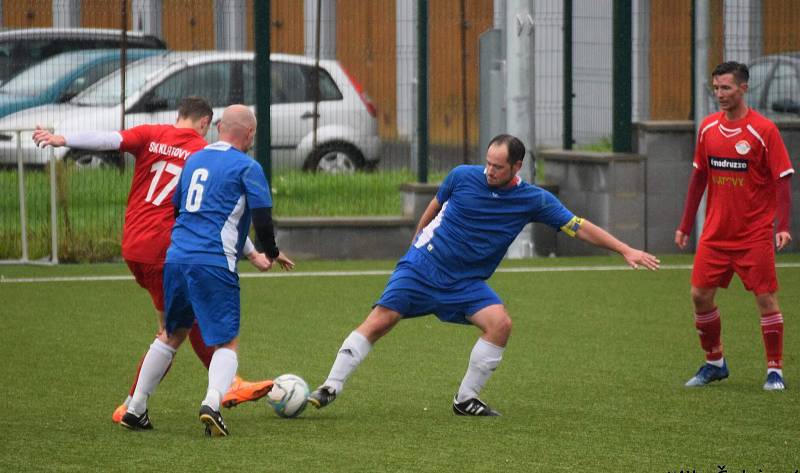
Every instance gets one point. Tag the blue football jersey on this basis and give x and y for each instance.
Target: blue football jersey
(477, 223)
(218, 187)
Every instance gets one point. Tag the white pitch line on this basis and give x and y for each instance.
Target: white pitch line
(301, 274)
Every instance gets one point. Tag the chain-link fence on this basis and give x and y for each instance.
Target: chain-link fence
(343, 130)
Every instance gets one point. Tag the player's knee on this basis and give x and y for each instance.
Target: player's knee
(500, 328)
(767, 303)
(379, 322)
(702, 299)
(175, 338)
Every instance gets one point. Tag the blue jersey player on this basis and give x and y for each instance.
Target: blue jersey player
(461, 238)
(220, 189)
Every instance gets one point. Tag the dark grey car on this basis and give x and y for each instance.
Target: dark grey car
(21, 48)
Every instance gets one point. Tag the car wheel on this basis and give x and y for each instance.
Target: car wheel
(335, 159)
(92, 159)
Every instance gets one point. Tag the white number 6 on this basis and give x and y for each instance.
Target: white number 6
(195, 196)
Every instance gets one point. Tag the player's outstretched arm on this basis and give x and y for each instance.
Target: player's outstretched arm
(93, 140)
(42, 138)
(595, 235)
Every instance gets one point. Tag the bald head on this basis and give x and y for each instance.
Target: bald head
(238, 126)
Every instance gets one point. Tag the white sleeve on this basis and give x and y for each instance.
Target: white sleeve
(248, 247)
(94, 140)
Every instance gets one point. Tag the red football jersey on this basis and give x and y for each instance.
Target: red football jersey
(161, 152)
(744, 160)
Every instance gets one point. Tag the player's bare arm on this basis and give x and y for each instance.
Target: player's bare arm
(591, 233)
(431, 211)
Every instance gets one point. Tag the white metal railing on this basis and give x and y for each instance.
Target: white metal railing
(23, 211)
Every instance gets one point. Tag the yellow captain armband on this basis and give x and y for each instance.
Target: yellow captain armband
(572, 227)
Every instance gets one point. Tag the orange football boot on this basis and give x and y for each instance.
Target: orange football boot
(118, 413)
(243, 391)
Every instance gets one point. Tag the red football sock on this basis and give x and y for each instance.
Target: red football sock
(772, 332)
(709, 327)
(203, 351)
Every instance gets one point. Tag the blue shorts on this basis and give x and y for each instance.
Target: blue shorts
(208, 293)
(416, 288)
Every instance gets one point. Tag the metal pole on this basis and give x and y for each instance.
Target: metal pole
(53, 209)
(701, 41)
(622, 96)
(261, 30)
(422, 91)
(122, 61)
(464, 112)
(315, 76)
(568, 93)
(23, 217)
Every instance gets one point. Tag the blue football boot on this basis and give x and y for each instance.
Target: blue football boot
(774, 382)
(708, 373)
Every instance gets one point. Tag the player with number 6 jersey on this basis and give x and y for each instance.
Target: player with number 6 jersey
(160, 151)
(219, 190)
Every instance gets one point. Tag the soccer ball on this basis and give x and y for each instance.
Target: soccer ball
(288, 396)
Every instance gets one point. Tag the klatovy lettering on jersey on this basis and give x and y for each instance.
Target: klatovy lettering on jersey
(167, 150)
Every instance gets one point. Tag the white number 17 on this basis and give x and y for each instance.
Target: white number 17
(159, 169)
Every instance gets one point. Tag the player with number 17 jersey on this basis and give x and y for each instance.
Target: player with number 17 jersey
(161, 152)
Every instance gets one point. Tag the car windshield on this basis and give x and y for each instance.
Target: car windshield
(105, 93)
(37, 79)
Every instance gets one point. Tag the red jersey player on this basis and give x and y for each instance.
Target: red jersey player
(742, 161)
(161, 152)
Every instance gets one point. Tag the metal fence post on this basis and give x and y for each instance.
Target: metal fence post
(53, 209)
(261, 30)
(422, 91)
(622, 77)
(23, 218)
(568, 94)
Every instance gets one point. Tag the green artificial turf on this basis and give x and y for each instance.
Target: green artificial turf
(592, 379)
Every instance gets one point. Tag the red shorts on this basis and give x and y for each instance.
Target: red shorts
(755, 267)
(150, 277)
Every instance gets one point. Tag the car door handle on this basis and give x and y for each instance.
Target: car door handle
(308, 115)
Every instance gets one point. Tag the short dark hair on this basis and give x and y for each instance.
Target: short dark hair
(741, 74)
(516, 150)
(195, 108)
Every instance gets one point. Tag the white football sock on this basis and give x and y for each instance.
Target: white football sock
(483, 361)
(353, 351)
(717, 363)
(221, 371)
(775, 370)
(155, 365)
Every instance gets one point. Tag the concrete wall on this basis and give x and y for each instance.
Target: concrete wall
(606, 188)
(669, 147)
(356, 238)
(638, 197)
